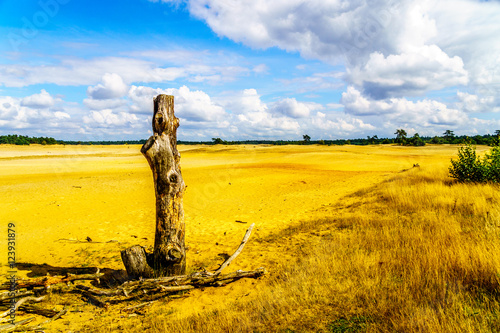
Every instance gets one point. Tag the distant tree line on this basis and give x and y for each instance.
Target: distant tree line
(15, 139)
(26, 140)
(401, 138)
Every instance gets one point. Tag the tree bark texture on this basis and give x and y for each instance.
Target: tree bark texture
(169, 256)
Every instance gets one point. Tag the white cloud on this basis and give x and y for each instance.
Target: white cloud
(112, 86)
(241, 102)
(408, 74)
(38, 101)
(391, 48)
(107, 118)
(318, 81)
(101, 104)
(190, 105)
(261, 69)
(473, 103)
(77, 71)
(195, 105)
(424, 113)
(291, 108)
(33, 113)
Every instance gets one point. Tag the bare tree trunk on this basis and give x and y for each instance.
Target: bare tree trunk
(169, 256)
(164, 159)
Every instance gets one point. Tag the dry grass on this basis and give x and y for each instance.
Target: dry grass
(416, 254)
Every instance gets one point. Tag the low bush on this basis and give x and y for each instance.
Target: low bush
(469, 167)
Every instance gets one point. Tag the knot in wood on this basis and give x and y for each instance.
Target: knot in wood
(175, 254)
(173, 178)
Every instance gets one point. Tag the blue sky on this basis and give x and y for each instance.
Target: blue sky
(241, 69)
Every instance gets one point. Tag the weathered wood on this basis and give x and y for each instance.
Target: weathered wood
(9, 295)
(94, 300)
(135, 260)
(169, 255)
(138, 306)
(47, 281)
(33, 308)
(100, 292)
(12, 327)
(21, 301)
(164, 159)
(40, 326)
(238, 251)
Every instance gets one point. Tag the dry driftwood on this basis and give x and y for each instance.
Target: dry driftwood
(138, 306)
(47, 281)
(32, 308)
(21, 301)
(8, 295)
(13, 326)
(238, 251)
(94, 300)
(40, 326)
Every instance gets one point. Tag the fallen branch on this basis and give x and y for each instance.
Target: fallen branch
(21, 301)
(47, 281)
(40, 326)
(100, 292)
(11, 327)
(8, 295)
(238, 251)
(32, 308)
(94, 300)
(85, 241)
(135, 307)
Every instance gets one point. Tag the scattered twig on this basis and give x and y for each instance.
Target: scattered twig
(11, 327)
(8, 295)
(21, 301)
(238, 221)
(69, 240)
(135, 307)
(238, 251)
(94, 300)
(32, 308)
(100, 292)
(50, 280)
(40, 326)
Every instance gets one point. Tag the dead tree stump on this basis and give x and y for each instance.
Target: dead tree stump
(169, 256)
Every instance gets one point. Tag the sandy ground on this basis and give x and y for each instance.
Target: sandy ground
(56, 195)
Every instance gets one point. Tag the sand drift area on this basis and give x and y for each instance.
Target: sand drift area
(57, 196)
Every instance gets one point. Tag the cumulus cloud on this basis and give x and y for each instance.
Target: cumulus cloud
(390, 48)
(191, 105)
(241, 102)
(112, 86)
(38, 101)
(408, 74)
(32, 112)
(107, 118)
(473, 103)
(423, 113)
(291, 108)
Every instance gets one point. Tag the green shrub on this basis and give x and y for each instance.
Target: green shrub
(470, 168)
(492, 165)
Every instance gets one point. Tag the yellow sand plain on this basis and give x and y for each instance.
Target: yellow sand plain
(56, 195)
